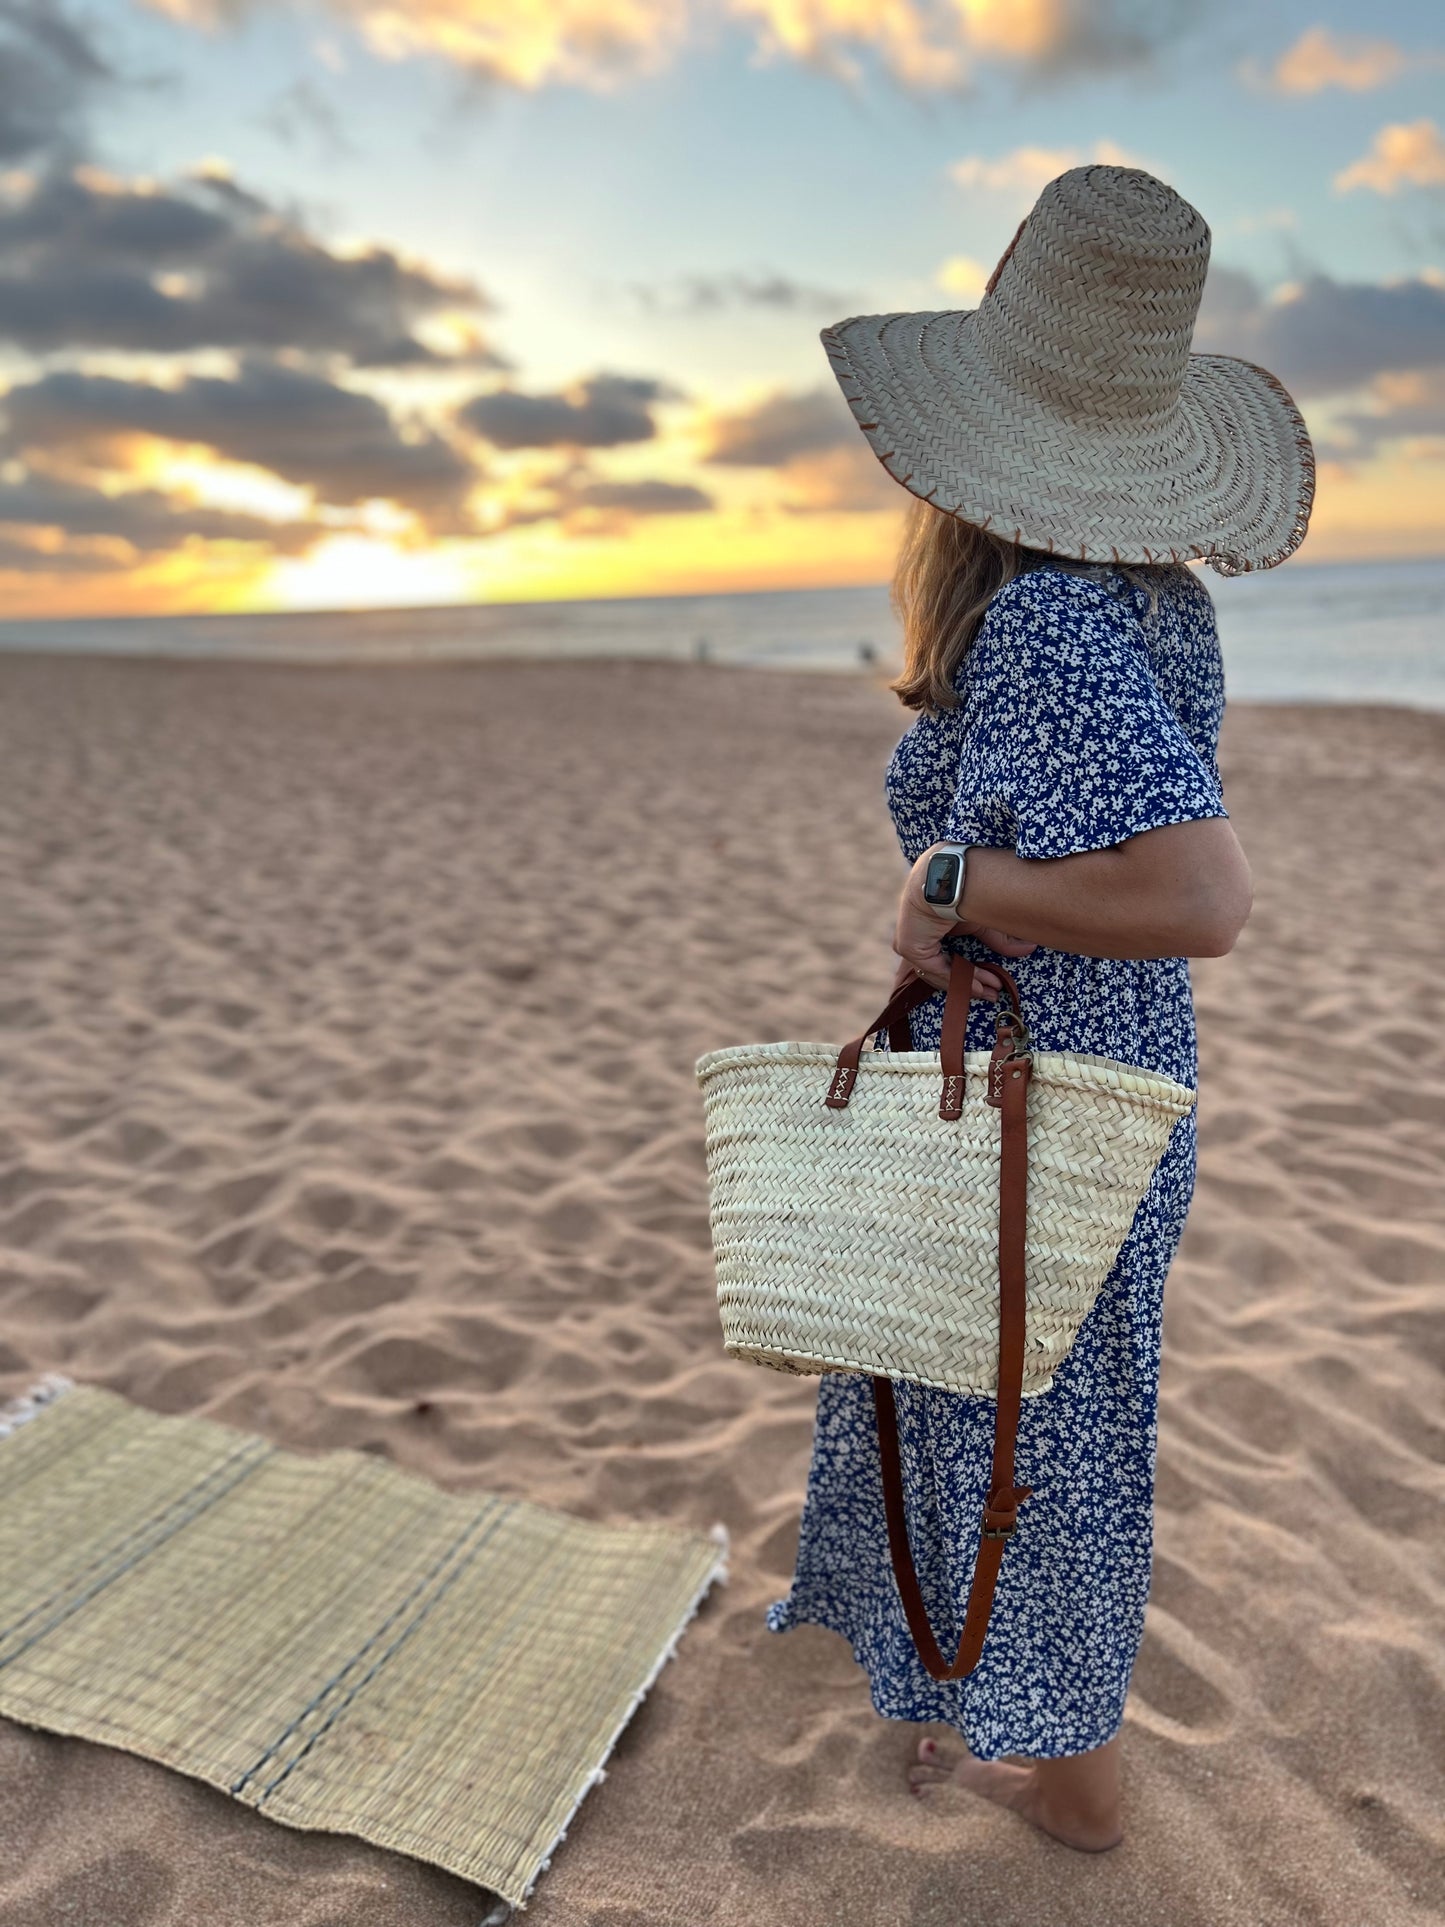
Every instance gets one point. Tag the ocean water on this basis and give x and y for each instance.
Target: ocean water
(1328, 632)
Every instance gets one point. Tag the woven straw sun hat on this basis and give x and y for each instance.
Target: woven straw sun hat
(1066, 413)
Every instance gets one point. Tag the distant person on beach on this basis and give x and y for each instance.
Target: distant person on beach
(1070, 457)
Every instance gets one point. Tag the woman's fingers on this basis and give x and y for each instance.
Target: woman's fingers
(1000, 940)
(985, 986)
(923, 955)
(917, 942)
(936, 970)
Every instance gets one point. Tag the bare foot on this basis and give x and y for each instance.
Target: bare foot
(1081, 1816)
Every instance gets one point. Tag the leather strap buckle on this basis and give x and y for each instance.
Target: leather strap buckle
(1001, 1512)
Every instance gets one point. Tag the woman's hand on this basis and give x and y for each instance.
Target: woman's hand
(919, 933)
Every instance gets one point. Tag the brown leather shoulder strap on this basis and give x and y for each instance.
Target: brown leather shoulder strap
(1008, 1090)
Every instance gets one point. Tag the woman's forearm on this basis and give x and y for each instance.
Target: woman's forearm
(1180, 891)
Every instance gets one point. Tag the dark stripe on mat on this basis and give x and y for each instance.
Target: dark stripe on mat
(391, 1650)
(144, 1553)
(382, 1630)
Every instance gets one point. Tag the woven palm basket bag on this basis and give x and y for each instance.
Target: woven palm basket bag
(942, 1216)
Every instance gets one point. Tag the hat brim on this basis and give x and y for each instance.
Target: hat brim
(1226, 475)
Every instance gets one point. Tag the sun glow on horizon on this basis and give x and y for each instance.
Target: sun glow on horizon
(352, 571)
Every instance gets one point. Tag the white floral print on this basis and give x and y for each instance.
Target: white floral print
(1085, 717)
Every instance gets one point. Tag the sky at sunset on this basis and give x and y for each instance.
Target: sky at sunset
(359, 302)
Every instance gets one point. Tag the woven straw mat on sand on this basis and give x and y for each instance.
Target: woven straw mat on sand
(334, 1642)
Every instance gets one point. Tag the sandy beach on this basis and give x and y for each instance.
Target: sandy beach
(349, 1020)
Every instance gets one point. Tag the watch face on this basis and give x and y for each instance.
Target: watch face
(940, 879)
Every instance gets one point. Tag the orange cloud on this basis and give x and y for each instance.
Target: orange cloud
(1027, 169)
(1019, 29)
(529, 42)
(526, 43)
(1405, 154)
(934, 44)
(844, 480)
(1319, 59)
(963, 277)
(917, 48)
(926, 45)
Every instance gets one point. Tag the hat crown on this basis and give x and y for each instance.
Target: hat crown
(1092, 310)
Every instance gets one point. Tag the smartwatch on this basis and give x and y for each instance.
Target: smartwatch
(944, 877)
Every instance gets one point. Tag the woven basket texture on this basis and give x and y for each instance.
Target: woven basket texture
(1067, 412)
(330, 1640)
(866, 1239)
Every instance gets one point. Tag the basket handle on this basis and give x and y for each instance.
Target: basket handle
(894, 1019)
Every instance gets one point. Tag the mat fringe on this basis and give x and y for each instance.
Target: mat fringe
(717, 1575)
(45, 1391)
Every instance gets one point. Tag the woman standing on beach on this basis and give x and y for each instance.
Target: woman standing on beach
(1070, 455)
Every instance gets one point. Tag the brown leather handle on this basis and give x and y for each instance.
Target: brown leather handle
(894, 1018)
(1008, 1083)
(955, 1028)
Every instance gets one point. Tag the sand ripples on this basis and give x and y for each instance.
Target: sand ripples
(347, 1032)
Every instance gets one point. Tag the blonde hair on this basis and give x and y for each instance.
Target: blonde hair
(947, 573)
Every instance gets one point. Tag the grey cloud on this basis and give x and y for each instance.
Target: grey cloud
(812, 441)
(144, 518)
(602, 412)
(780, 428)
(587, 504)
(1228, 294)
(713, 293)
(17, 557)
(80, 268)
(65, 216)
(640, 498)
(229, 192)
(302, 111)
(1416, 412)
(300, 426)
(845, 480)
(929, 46)
(1102, 36)
(48, 71)
(1332, 336)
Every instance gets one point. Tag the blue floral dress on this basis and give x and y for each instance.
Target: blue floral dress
(1085, 716)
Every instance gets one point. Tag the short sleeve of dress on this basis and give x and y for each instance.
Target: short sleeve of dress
(1068, 742)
